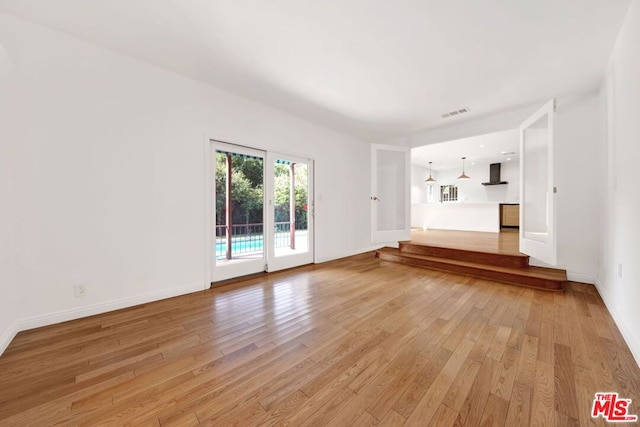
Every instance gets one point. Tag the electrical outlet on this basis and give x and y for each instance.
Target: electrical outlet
(79, 290)
(619, 269)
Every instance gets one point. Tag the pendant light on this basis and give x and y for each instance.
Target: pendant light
(463, 176)
(430, 180)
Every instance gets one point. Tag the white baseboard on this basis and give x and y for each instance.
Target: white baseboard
(350, 253)
(7, 336)
(582, 278)
(626, 330)
(90, 310)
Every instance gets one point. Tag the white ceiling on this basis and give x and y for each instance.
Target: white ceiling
(480, 150)
(374, 69)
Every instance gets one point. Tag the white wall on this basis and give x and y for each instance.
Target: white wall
(419, 188)
(109, 176)
(620, 98)
(8, 215)
(472, 190)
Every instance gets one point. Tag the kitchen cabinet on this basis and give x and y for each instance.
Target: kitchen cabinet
(510, 215)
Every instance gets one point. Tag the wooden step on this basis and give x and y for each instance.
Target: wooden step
(535, 277)
(478, 257)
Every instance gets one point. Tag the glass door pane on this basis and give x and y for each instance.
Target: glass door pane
(536, 197)
(390, 186)
(239, 211)
(291, 211)
(537, 227)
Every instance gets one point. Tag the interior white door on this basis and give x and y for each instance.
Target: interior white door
(238, 176)
(290, 211)
(390, 193)
(537, 190)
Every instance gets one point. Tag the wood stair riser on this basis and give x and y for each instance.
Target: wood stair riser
(515, 261)
(482, 273)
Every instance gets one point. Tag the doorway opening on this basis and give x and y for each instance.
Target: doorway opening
(246, 237)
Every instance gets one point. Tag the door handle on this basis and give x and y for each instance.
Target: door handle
(375, 198)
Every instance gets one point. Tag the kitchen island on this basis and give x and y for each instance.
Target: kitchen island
(465, 216)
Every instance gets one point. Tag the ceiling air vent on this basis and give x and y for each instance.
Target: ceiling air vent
(455, 112)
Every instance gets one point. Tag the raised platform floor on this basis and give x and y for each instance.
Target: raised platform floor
(491, 256)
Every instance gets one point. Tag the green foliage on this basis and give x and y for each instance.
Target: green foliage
(252, 169)
(283, 190)
(248, 191)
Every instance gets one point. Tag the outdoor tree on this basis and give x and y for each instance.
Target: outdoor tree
(283, 190)
(248, 191)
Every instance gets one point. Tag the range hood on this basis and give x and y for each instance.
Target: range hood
(494, 175)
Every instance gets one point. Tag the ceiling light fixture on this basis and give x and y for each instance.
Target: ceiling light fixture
(463, 176)
(430, 180)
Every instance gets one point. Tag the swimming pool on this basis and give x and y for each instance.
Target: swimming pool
(252, 245)
(239, 245)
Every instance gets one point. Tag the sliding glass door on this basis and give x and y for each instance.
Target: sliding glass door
(291, 211)
(247, 238)
(238, 207)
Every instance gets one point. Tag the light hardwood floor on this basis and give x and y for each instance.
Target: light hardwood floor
(351, 342)
(506, 242)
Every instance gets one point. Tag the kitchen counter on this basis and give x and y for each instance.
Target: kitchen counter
(468, 216)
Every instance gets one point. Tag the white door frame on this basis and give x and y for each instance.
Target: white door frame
(288, 261)
(543, 250)
(245, 267)
(208, 168)
(378, 201)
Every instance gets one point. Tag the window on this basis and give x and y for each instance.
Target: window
(448, 193)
